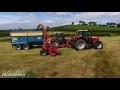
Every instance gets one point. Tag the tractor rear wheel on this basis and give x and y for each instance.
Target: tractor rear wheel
(18, 47)
(98, 45)
(80, 44)
(43, 53)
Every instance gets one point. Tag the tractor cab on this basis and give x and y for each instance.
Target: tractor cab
(58, 37)
(84, 33)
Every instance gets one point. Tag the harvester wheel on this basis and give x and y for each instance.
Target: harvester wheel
(26, 46)
(98, 45)
(18, 47)
(43, 53)
(80, 44)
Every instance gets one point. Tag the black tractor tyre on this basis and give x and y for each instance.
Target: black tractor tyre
(80, 44)
(43, 53)
(54, 42)
(26, 46)
(98, 45)
(18, 47)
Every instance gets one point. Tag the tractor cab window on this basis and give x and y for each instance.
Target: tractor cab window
(59, 35)
(54, 35)
(79, 33)
(82, 33)
(85, 33)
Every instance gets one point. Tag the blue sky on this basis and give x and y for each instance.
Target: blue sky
(30, 20)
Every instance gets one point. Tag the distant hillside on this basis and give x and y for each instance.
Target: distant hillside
(77, 27)
(96, 30)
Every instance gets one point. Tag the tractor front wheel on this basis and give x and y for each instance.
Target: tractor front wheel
(80, 44)
(98, 45)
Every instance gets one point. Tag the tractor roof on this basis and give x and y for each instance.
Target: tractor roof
(82, 30)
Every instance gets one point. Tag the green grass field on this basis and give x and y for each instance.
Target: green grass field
(89, 63)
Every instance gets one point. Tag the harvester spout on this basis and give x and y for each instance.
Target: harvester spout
(44, 32)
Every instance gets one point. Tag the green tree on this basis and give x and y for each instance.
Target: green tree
(92, 23)
(47, 26)
(118, 25)
(81, 22)
(111, 23)
(72, 23)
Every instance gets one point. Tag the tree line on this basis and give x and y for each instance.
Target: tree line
(108, 24)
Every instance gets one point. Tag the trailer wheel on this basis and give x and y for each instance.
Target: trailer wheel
(80, 44)
(98, 45)
(18, 47)
(26, 46)
(43, 53)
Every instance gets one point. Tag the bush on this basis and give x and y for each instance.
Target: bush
(4, 33)
(101, 34)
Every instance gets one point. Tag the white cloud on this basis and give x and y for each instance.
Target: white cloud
(48, 21)
(50, 13)
(30, 20)
(97, 16)
(31, 17)
(90, 15)
(100, 17)
(21, 20)
(61, 13)
(5, 19)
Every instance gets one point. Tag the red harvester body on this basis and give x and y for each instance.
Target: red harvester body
(47, 48)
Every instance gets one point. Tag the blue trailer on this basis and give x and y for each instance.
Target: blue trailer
(25, 39)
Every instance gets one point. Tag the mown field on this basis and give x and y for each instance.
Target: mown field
(89, 63)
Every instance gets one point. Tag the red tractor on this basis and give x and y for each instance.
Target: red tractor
(60, 40)
(82, 40)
